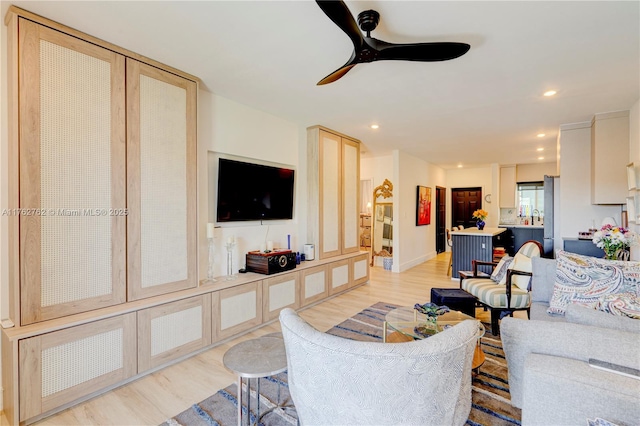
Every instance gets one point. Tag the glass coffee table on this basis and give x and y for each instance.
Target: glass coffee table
(406, 324)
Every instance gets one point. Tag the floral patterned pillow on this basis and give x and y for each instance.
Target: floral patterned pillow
(621, 304)
(584, 280)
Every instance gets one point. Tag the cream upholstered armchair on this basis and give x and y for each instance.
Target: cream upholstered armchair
(508, 289)
(337, 381)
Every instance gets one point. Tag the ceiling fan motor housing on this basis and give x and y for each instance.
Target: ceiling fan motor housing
(368, 20)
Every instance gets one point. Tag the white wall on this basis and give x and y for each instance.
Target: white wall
(228, 127)
(414, 244)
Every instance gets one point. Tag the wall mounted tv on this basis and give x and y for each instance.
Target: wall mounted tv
(249, 191)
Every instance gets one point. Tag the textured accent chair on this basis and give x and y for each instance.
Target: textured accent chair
(513, 295)
(337, 381)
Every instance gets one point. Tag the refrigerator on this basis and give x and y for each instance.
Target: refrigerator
(547, 244)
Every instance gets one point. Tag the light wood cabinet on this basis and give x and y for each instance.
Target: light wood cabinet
(609, 135)
(161, 174)
(173, 330)
(66, 365)
(508, 187)
(339, 275)
(313, 285)
(71, 175)
(103, 177)
(236, 309)
(359, 269)
(279, 292)
(333, 192)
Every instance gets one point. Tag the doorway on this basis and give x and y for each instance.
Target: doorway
(441, 219)
(464, 202)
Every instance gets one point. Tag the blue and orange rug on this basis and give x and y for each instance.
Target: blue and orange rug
(490, 398)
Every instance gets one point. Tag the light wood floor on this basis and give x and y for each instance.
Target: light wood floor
(165, 393)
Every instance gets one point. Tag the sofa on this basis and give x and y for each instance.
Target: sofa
(550, 378)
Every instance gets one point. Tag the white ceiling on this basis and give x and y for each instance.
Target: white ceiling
(485, 107)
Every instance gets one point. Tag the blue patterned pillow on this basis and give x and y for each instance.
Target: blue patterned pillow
(583, 279)
(499, 274)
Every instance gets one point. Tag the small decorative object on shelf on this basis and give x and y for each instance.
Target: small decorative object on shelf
(431, 310)
(615, 241)
(480, 216)
(231, 243)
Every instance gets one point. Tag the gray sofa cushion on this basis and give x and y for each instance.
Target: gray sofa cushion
(562, 391)
(588, 316)
(521, 338)
(544, 277)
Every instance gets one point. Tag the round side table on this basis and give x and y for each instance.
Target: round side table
(254, 359)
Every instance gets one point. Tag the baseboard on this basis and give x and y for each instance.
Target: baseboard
(417, 261)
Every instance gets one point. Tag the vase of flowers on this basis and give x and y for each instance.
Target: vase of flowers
(480, 216)
(615, 241)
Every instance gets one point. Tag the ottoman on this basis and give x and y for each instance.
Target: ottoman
(456, 299)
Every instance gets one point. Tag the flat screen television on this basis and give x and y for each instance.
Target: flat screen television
(249, 191)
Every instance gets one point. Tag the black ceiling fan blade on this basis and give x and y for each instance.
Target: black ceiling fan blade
(336, 75)
(423, 52)
(339, 13)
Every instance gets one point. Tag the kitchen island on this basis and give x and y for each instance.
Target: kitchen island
(474, 244)
(517, 235)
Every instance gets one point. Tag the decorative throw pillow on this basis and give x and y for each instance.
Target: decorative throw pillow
(521, 263)
(583, 279)
(620, 304)
(499, 274)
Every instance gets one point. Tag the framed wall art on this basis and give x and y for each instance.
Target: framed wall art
(423, 206)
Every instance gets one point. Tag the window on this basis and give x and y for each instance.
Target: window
(531, 199)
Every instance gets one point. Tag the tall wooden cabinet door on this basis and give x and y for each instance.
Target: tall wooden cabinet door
(72, 175)
(60, 367)
(330, 174)
(350, 196)
(161, 178)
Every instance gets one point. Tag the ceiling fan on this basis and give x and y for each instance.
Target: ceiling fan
(369, 49)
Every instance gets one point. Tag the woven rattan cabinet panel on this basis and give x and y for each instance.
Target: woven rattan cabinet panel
(72, 175)
(161, 177)
(63, 366)
(172, 330)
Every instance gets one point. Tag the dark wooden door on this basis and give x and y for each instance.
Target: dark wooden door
(464, 202)
(441, 219)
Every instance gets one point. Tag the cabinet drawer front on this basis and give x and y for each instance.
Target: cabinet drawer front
(360, 269)
(60, 367)
(170, 331)
(314, 285)
(237, 309)
(339, 276)
(278, 293)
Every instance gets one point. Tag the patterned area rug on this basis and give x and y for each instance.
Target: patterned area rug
(490, 399)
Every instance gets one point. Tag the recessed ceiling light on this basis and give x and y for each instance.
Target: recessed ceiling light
(549, 93)
(540, 158)
(540, 149)
(375, 126)
(459, 166)
(541, 135)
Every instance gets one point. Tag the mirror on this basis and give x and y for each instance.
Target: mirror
(382, 221)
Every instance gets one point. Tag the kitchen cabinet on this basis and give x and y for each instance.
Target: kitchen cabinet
(333, 192)
(584, 247)
(516, 236)
(508, 187)
(609, 133)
